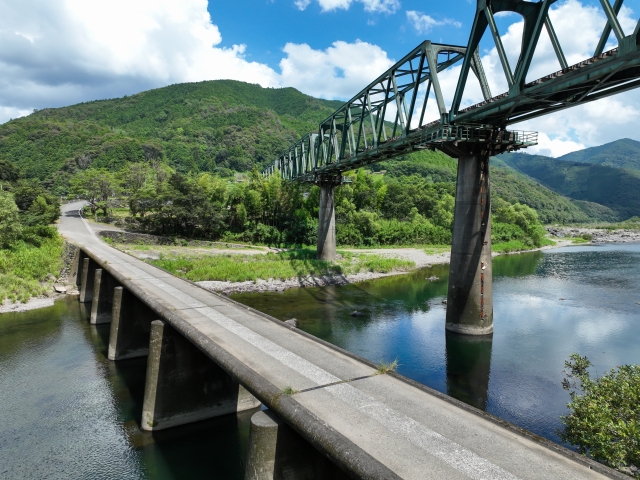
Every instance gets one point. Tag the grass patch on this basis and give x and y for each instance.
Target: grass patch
(278, 266)
(290, 391)
(386, 367)
(518, 246)
(24, 267)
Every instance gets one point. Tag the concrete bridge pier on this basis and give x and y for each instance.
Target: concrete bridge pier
(276, 452)
(327, 223)
(130, 326)
(102, 299)
(87, 276)
(470, 298)
(183, 385)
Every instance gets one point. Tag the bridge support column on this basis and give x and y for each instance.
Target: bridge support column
(130, 326)
(183, 385)
(470, 299)
(327, 224)
(276, 452)
(86, 280)
(102, 300)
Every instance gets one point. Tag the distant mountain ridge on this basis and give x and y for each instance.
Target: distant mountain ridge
(590, 175)
(623, 153)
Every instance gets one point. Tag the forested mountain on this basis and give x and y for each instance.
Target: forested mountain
(223, 127)
(623, 153)
(506, 183)
(615, 188)
(214, 126)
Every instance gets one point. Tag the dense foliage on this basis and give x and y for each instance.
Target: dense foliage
(615, 188)
(216, 126)
(30, 248)
(605, 414)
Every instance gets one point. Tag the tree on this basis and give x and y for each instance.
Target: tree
(10, 227)
(605, 418)
(98, 187)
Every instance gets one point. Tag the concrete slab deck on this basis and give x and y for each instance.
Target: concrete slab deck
(388, 422)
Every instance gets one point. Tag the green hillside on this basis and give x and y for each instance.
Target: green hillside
(222, 127)
(615, 188)
(623, 153)
(213, 126)
(506, 183)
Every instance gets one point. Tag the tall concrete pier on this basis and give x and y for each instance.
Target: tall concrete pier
(470, 299)
(327, 223)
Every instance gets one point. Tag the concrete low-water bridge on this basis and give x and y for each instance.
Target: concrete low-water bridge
(387, 119)
(326, 413)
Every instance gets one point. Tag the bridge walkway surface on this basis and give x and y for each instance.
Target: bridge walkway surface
(372, 426)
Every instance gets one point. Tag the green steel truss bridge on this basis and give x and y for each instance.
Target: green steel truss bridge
(361, 132)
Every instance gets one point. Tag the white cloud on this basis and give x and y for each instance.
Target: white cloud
(302, 4)
(67, 51)
(382, 6)
(340, 71)
(425, 23)
(554, 147)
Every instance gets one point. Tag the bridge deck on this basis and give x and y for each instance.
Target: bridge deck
(373, 425)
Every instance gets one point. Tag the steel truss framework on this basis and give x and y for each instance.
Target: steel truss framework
(357, 134)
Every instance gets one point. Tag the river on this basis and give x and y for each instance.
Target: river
(67, 412)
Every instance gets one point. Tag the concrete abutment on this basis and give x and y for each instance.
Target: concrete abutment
(470, 298)
(183, 385)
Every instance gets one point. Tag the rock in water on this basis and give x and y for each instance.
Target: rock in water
(292, 321)
(60, 288)
(356, 313)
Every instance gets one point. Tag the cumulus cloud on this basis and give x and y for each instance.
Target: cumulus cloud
(382, 6)
(425, 23)
(340, 71)
(62, 52)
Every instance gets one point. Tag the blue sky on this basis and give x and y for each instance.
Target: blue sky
(60, 52)
(266, 26)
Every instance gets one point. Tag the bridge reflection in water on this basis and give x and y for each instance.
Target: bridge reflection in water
(469, 367)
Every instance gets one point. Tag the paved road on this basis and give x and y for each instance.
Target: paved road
(374, 425)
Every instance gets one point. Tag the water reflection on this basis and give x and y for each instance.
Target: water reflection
(468, 367)
(547, 305)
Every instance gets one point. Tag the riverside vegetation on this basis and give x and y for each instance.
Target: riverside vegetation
(30, 248)
(605, 414)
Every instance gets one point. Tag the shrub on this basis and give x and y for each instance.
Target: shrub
(605, 418)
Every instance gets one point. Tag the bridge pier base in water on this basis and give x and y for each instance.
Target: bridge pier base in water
(276, 452)
(102, 299)
(130, 326)
(87, 275)
(183, 385)
(327, 223)
(470, 298)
